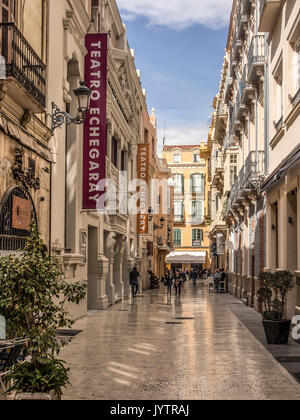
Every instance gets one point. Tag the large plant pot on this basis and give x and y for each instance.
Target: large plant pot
(25, 396)
(277, 332)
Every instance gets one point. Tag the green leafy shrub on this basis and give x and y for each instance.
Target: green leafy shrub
(33, 299)
(273, 293)
(43, 377)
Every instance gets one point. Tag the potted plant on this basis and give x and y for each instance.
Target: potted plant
(273, 293)
(33, 298)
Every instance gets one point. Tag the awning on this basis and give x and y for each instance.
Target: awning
(285, 165)
(187, 257)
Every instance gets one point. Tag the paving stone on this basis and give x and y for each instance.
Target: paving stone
(134, 355)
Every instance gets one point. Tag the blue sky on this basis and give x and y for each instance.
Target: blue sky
(180, 60)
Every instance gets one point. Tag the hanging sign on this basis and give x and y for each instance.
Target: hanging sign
(94, 143)
(143, 161)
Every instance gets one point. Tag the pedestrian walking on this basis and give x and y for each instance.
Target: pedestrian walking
(169, 283)
(134, 282)
(194, 277)
(217, 279)
(224, 278)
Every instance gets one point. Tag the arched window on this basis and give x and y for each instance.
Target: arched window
(16, 214)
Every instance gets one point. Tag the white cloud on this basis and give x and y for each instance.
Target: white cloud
(179, 14)
(181, 136)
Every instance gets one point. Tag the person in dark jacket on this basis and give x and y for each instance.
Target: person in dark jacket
(134, 282)
(194, 276)
(169, 282)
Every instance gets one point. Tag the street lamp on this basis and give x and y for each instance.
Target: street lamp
(58, 117)
(162, 222)
(150, 212)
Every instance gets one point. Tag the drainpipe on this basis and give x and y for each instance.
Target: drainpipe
(266, 102)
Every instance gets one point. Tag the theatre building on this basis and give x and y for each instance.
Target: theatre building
(99, 248)
(25, 168)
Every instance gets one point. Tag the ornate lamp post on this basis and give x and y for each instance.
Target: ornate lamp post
(59, 118)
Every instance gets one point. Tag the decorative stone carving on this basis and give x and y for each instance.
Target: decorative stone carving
(26, 176)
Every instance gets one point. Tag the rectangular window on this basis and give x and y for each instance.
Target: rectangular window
(177, 158)
(233, 174)
(146, 136)
(178, 211)
(178, 180)
(197, 237)
(197, 158)
(197, 181)
(177, 237)
(114, 152)
(123, 160)
(197, 212)
(233, 159)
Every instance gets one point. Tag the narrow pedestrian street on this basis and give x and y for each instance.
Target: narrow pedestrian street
(149, 351)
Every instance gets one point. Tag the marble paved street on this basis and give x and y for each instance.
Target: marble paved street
(135, 352)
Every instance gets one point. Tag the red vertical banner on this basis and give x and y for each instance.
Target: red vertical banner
(143, 162)
(94, 142)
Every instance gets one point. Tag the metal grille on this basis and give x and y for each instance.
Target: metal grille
(22, 62)
(12, 239)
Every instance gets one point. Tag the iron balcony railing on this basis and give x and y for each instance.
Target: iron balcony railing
(22, 62)
(256, 50)
(254, 166)
(233, 195)
(222, 108)
(178, 219)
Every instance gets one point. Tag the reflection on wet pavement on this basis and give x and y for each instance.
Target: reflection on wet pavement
(143, 351)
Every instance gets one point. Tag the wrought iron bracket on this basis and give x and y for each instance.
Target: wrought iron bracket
(59, 118)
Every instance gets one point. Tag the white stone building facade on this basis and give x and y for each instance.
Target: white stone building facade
(100, 249)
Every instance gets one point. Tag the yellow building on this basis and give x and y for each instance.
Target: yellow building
(191, 205)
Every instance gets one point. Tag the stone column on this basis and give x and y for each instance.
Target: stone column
(103, 270)
(110, 252)
(118, 269)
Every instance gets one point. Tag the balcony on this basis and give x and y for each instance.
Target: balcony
(235, 124)
(237, 47)
(256, 58)
(218, 174)
(254, 167)
(247, 181)
(241, 109)
(233, 63)
(269, 10)
(196, 220)
(228, 89)
(25, 80)
(179, 219)
(242, 23)
(247, 89)
(221, 121)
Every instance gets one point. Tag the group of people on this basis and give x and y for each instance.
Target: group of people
(175, 278)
